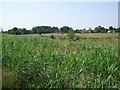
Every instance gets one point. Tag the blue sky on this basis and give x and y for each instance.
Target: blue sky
(74, 14)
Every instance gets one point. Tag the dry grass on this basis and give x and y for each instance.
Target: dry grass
(95, 35)
(8, 78)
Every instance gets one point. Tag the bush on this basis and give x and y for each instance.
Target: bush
(70, 34)
(52, 36)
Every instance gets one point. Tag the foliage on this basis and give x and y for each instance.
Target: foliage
(100, 29)
(70, 34)
(52, 36)
(41, 62)
(18, 31)
(44, 29)
(9, 78)
(111, 28)
(65, 29)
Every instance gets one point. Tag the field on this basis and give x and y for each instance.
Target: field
(39, 61)
(96, 35)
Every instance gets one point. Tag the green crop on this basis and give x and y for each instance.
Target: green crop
(43, 62)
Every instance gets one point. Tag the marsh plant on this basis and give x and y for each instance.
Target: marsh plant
(70, 34)
(42, 62)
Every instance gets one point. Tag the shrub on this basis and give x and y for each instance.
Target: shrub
(70, 34)
(52, 36)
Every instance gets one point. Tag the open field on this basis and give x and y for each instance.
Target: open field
(94, 35)
(87, 35)
(38, 61)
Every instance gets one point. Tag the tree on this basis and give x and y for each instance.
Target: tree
(35, 29)
(103, 30)
(100, 29)
(55, 29)
(111, 28)
(44, 29)
(24, 31)
(15, 30)
(79, 31)
(90, 30)
(84, 29)
(64, 29)
(117, 30)
(106, 30)
(18, 31)
(97, 29)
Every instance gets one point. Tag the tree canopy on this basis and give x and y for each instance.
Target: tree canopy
(64, 29)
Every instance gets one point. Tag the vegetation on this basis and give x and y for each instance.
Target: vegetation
(65, 29)
(52, 36)
(70, 34)
(35, 61)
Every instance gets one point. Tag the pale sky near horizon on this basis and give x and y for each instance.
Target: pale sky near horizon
(78, 15)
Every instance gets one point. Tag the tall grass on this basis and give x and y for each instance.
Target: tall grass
(42, 62)
(0, 60)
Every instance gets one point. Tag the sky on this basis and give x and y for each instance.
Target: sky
(119, 14)
(77, 15)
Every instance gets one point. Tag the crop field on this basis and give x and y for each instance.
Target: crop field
(39, 61)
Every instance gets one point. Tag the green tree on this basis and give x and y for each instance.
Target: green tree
(100, 29)
(35, 29)
(64, 29)
(97, 29)
(15, 30)
(111, 28)
(44, 29)
(117, 30)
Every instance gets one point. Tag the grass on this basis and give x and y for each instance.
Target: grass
(43, 62)
(9, 78)
(88, 35)
(0, 60)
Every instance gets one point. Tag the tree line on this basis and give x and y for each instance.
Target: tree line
(64, 29)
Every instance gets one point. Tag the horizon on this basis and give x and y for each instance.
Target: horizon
(77, 15)
(63, 26)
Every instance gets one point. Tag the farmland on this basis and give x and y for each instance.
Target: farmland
(39, 61)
